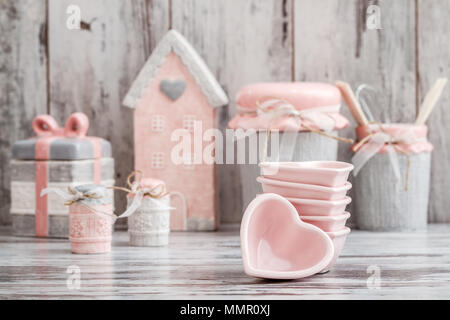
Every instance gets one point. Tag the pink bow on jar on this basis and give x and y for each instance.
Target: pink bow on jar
(76, 125)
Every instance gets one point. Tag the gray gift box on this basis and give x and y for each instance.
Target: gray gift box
(71, 162)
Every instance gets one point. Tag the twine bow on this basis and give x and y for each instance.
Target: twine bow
(272, 108)
(76, 125)
(78, 196)
(73, 195)
(371, 144)
(156, 192)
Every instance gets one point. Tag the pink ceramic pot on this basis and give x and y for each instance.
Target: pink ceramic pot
(276, 244)
(328, 223)
(324, 173)
(303, 95)
(312, 207)
(90, 232)
(392, 129)
(304, 191)
(338, 238)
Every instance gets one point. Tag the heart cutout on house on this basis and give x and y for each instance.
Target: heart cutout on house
(277, 244)
(173, 89)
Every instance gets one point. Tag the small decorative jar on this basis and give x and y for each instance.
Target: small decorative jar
(392, 168)
(302, 117)
(91, 220)
(149, 224)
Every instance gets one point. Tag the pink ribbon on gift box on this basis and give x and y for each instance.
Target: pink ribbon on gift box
(47, 130)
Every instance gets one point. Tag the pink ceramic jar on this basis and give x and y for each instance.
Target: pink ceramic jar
(316, 105)
(91, 222)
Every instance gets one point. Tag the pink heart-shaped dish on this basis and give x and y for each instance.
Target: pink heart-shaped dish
(276, 244)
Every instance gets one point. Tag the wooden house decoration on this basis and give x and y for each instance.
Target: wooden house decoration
(174, 90)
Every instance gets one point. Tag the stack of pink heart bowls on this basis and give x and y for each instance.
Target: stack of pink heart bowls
(318, 190)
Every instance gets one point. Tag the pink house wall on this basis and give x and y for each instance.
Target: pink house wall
(195, 182)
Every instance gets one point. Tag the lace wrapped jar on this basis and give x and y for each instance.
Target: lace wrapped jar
(91, 219)
(149, 225)
(392, 168)
(291, 111)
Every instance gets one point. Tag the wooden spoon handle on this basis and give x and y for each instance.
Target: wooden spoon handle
(352, 103)
(430, 100)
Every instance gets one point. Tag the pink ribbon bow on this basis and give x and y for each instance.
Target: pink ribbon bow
(47, 130)
(77, 125)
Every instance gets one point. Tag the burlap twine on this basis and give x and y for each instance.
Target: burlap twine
(395, 143)
(295, 114)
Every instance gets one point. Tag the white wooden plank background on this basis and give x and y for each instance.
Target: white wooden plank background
(341, 47)
(242, 41)
(23, 80)
(208, 265)
(434, 62)
(224, 33)
(91, 69)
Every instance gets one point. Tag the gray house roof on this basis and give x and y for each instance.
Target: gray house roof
(174, 41)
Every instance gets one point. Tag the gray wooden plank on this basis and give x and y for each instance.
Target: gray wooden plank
(332, 43)
(434, 62)
(411, 265)
(92, 68)
(341, 47)
(23, 80)
(391, 207)
(242, 42)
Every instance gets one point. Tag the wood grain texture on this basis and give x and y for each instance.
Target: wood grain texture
(92, 68)
(388, 206)
(241, 42)
(23, 81)
(332, 43)
(434, 62)
(209, 266)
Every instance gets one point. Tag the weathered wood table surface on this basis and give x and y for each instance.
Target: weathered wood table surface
(208, 266)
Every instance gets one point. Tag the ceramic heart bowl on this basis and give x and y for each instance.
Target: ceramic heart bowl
(327, 223)
(300, 190)
(324, 173)
(276, 244)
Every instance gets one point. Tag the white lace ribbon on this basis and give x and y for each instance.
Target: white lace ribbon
(151, 194)
(272, 109)
(73, 195)
(376, 142)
